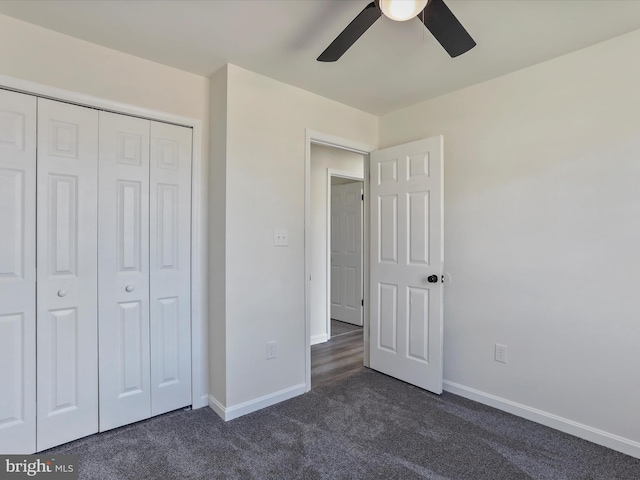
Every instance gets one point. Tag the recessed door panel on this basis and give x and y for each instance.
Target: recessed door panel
(12, 205)
(12, 373)
(125, 394)
(63, 140)
(129, 227)
(132, 362)
(170, 267)
(63, 366)
(167, 152)
(63, 216)
(388, 228)
(17, 273)
(132, 148)
(336, 286)
(351, 289)
(406, 249)
(336, 232)
(169, 341)
(15, 118)
(418, 226)
(418, 166)
(387, 171)
(388, 317)
(67, 280)
(167, 222)
(352, 232)
(418, 338)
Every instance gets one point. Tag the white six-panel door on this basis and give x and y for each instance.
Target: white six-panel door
(406, 249)
(123, 266)
(17, 273)
(346, 252)
(67, 223)
(170, 267)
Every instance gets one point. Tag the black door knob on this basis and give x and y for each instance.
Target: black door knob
(432, 279)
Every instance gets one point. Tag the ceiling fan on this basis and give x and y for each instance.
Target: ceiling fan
(435, 15)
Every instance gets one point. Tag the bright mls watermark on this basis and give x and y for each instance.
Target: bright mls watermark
(51, 467)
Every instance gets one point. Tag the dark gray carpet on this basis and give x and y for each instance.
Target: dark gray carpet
(340, 328)
(368, 426)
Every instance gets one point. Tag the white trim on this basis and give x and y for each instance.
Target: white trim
(216, 406)
(312, 136)
(59, 94)
(199, 355)
(332, 172)
(199, 274)
(342, 174)
(320, 138)
(366, 241)
(229, 413)
(606, 439)
(320, 338)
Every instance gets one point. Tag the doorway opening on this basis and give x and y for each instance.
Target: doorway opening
(335, 261)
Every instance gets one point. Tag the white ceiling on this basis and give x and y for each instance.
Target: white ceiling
(392, 65)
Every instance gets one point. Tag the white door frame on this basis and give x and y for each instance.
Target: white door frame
(320, 138)
(331, 172)
(199, 353)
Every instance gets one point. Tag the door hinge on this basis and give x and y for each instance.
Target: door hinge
(362, 302)
(363, 197)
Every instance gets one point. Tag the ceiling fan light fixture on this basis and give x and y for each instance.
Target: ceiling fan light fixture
(402, 10)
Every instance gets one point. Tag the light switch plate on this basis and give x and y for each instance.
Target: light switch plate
(280, 237)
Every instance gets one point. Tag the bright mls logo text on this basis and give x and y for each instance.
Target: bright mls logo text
(33, 468)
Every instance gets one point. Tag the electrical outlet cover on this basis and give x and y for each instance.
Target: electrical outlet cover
(500, 353)
(272, 350)
(280, 237)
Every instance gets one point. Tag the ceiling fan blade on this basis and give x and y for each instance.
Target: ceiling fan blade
(444, 25)
(349, 35)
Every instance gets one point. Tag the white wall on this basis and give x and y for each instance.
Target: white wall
(542, 228)
(38, 55)
(44, 56)
(322, 159)
(217, 235)
(265, 173)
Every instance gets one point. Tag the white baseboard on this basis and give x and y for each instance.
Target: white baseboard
(606, 439)
(216, 406)
(235, 411)
(315, 339)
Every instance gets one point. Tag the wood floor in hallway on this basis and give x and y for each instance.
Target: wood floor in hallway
(336, 359)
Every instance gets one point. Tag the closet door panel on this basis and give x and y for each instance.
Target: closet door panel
(67, 369)
(17, 273)
(170, 267)
(123, 267)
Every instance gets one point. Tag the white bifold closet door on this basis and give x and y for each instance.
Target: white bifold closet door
(67, 293)
(17, 273)
(170, 267)
(123, 266)
(98, 334)
(144, 268)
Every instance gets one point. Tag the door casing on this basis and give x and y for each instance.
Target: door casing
(319, 138)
